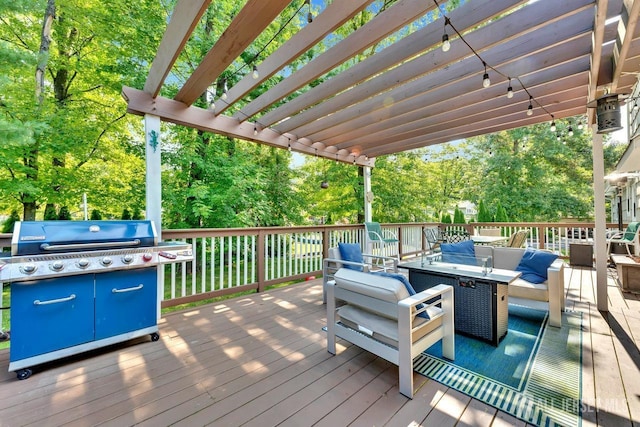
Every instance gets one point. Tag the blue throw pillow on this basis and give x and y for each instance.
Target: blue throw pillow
(534, 265)
(459, 253)
(406, 284)
(351, 252)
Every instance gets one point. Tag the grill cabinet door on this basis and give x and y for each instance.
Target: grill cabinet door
(125, 301)
(50, 314)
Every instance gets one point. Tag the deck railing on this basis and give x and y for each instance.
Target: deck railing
(231, 261)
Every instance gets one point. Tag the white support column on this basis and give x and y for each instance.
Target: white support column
(153, 175)
(154, 190)
(368, 199)
(368, 195)
(600, 240)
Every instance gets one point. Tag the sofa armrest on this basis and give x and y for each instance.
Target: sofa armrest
(555, 283)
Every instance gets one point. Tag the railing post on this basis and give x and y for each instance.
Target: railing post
(325, 242)
(542, 237)
(399, 234)
(260, 267)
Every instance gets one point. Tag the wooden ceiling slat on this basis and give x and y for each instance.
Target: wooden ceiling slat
(398, 15)
(491, 110)
(336, 14)
(442, 102)
(245, 27)
(183, 20)
(515, 48)
(466, 16)
(565, 88)
(627, 29)
(480, 127)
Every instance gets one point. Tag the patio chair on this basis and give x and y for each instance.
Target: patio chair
(517, 239)
(628, 238)
(361, 262)
(379, 314)
(377, 236)
(433, 238)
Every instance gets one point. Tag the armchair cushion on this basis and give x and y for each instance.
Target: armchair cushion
(408, 286)
(351, 252)
(534, 265)
(458, 253)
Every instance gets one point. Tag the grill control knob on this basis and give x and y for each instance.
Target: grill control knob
(106, 261)
(83, 263)
(147, 256)
(28, 268)
(57, 266)
(127, 259)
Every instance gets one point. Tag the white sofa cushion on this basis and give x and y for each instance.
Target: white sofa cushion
(520, 288)
(379, 287)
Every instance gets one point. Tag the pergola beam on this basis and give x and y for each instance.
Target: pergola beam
(336, 14)
(172, 111)
(184, 19)
(250, 22)
(400, 14)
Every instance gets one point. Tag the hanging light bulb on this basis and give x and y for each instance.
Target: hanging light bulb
(255, 73)
(635, 106)
(553, 125)
(570, 131)
(224, 90)
(510, 90)
(580, 125)
(486, 82)
(212, 105)
(309, 15)
(446, 44)
(530, 107)
(558, 137)
(255, 130)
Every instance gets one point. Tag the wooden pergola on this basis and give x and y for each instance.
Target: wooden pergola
(556, 55)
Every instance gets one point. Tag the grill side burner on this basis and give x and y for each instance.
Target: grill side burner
(80, 285)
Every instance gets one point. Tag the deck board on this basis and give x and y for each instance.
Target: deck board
(261, 360)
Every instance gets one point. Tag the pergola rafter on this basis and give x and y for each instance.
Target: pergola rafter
(408, 94)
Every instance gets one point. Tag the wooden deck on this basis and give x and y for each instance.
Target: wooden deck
(261, 360)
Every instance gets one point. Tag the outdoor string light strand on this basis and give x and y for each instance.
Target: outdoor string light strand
(532, 99)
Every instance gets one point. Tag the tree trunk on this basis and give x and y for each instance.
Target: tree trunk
(31, 159)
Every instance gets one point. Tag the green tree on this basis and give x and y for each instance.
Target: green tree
(501, 214)
(66, 130)
(7, 225)
(126, 215)
(95, 215)
(64, 213)
(483, 213)
(458, 217)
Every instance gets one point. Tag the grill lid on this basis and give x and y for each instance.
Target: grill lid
(45, 237)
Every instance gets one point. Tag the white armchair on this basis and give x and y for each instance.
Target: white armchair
(334, 262)
(378, 315)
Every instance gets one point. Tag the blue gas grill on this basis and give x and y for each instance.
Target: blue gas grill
(80, 285)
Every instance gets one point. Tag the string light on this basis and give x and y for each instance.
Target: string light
(446, 44)
(289, 144)
(224, 90)
(570, 131)
(486, 82)
(255, 73)
(309, 15)
(553, 124)
(255, 130)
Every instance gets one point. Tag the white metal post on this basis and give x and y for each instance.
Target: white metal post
(600, 240)
(368, 199)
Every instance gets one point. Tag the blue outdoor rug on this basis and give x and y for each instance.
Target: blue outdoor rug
(534, 374)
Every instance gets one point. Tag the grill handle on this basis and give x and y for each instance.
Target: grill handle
(74, 246)
(135, 288)
(55, 301)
